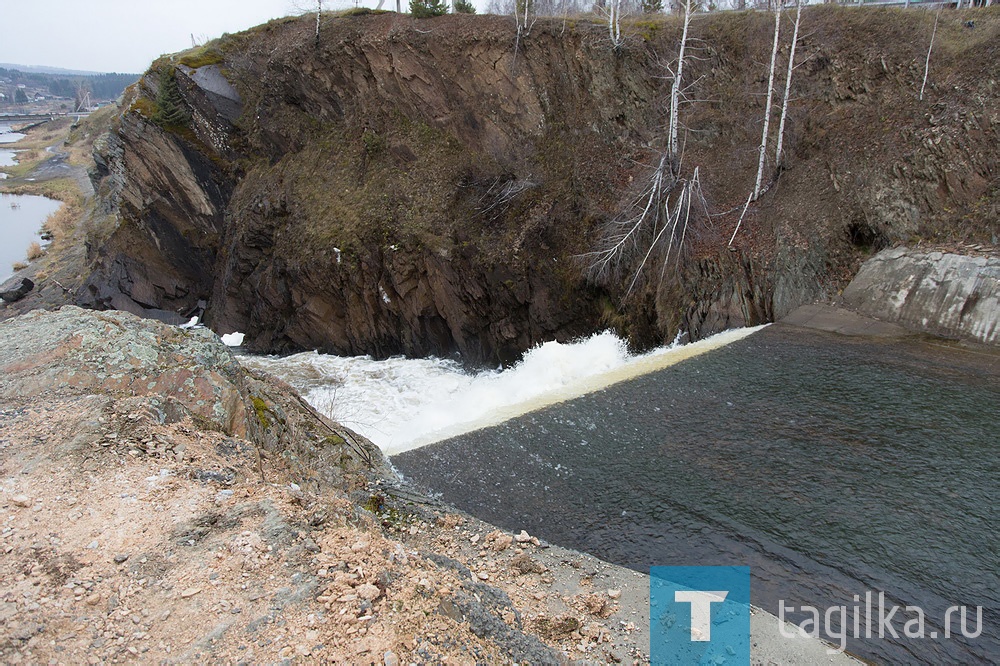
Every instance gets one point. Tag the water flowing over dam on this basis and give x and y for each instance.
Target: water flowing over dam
(401, 403)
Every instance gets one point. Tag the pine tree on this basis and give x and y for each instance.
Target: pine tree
(428, 8)
(171, 110)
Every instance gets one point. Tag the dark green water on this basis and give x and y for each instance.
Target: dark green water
(832, 466)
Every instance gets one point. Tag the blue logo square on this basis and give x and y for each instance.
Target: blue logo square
(699, 615)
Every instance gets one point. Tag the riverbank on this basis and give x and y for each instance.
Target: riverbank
(53, 159)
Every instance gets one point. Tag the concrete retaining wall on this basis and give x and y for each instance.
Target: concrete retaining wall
(943, 294)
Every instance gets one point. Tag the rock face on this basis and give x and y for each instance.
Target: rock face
(934, 292)
(15, 289)
(421, 188)
(117, 360)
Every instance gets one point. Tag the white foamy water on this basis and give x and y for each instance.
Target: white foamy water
(401, 403)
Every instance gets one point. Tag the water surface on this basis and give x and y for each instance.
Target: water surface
(7, 136)
(832, 466)
(21, 217)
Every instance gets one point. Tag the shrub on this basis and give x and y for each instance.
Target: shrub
(428, 8)
(464, 7)
(34, 251)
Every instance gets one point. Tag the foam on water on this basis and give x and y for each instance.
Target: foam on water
(401, 404)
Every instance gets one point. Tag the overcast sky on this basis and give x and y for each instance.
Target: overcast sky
(126, 35)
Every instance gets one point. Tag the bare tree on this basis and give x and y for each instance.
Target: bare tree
(675, 90)
(788, 84)
(767, 107)
(758, 183)
(615, 23)
(927, 63)
(319, 11)
(654, 226)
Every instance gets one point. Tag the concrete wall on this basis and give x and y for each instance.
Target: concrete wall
(943, 294)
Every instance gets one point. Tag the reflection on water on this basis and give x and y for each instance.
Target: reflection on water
(831, 466)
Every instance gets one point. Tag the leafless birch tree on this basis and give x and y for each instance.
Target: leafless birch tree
(319, 11)
(788, 85)
(615, 23)
(927, 63)
(654, 227)
(767, 106)
(675, 89)
(758, 189)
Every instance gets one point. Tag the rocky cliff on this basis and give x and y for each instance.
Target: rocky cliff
(433, 186)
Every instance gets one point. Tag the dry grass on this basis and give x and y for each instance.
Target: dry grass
(39, 138)
(35, 251)
(19, 266)
(62, 223)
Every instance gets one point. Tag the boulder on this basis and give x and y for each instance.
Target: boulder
(15, 289)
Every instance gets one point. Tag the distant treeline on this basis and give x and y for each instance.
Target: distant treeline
(101, 86)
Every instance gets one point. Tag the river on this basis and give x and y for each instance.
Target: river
(832, 466)
(21, 216)
(7, 156)
(9, 136)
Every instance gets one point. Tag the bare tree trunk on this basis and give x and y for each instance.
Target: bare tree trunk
(788, 85)
(927, 64)
(614, 22)
(767, 107)
(319, 10)
(675, 90)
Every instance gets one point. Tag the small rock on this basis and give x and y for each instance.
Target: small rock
(390, 659)
(190, 592)
(15, 289)
(93, 545)
(368, 592)
(524, 564)
(93, 600)
(483, 575)
(120, 558)
(523, 537)
(21, 500)
(614, 594)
